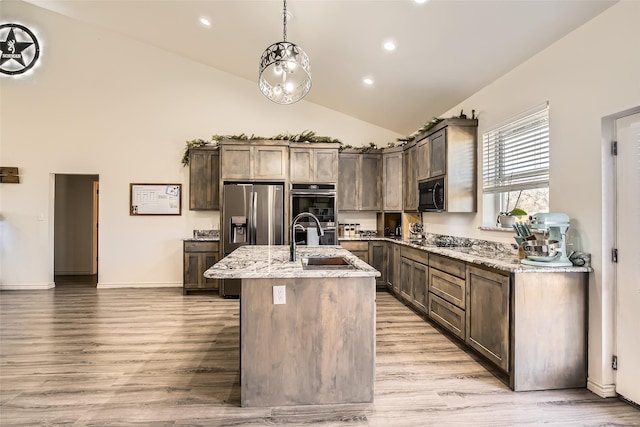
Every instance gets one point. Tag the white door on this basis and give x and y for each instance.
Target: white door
(628, 266)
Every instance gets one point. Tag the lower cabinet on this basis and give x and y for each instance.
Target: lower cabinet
(414, 277)
(378, 257)
(358, 248)
(393, 268)
(487, 328)
(530, 325)
(447, 315)
(198, 257)
(447, 297)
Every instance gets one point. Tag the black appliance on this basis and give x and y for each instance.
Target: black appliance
(320, 200)
(431, 195)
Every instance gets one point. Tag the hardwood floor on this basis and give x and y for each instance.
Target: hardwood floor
(128, 357)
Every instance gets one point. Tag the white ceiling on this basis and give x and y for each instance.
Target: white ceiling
(447, 49)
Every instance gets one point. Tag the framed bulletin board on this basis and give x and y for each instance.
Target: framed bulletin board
(155, 199)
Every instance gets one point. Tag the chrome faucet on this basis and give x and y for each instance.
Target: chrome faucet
(292, 237)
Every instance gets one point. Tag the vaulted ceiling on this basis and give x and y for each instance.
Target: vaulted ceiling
(446, 49)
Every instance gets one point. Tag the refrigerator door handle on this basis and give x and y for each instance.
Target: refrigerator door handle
(254, 217)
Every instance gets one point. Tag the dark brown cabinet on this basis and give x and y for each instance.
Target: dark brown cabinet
(358, 248)
(370, 183)
(393, 268)
(438, 154)
(378, 253)
(410, 183)
(449, 151)
(359, 181)
(204, 178)
(198, 257)
(423, 154)
(531, 325)
(414, 279)
(313, 164)
(488, 315)
(257, 160)
(392, 178)
(447, 296)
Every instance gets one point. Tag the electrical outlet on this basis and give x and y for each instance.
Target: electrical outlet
(279, 295)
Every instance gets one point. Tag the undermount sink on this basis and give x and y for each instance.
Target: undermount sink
(326, 263)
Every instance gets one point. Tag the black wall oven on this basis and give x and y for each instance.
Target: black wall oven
(320, 200)
(431, 195)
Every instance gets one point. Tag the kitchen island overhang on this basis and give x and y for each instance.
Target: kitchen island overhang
(316, 348)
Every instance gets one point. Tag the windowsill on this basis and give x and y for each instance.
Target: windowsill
(494, 228)
(505, 229)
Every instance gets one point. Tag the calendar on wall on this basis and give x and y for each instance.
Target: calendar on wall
(155, 199)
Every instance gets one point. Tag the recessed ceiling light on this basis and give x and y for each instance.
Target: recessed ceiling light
(205, 21)
(389, 45)
(420, 1)
(368, 81)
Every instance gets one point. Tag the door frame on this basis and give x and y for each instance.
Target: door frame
(608, 294)
(96, 208)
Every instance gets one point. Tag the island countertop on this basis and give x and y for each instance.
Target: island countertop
(260, 261)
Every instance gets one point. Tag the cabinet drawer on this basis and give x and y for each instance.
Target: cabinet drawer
(355, 245)
(201, 246)
(416, 255)
(451, 266)
(448, 287)
(447, 315)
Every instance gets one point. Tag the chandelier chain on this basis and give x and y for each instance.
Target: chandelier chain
(284, 21)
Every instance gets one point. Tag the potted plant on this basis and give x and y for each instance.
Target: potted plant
(507, 218)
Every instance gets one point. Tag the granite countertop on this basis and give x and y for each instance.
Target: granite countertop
(204, 236)
(482, 252)
(202, 239)
(266, 262)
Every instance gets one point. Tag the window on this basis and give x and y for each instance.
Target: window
(516, 164)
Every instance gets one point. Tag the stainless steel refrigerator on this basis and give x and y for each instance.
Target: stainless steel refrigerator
(253, 214)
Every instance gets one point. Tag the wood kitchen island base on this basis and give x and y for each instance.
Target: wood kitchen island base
(317, 348)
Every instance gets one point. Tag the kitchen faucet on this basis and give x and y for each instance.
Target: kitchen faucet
(292, 238)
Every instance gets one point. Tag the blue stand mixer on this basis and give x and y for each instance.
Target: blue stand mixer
(551, 252)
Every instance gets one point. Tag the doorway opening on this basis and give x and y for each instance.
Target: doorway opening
(76, 230)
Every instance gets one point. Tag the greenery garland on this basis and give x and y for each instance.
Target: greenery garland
(309, 136)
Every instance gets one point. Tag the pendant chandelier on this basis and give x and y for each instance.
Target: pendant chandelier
(285, 72)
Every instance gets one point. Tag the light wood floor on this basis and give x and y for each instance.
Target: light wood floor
(128, 357)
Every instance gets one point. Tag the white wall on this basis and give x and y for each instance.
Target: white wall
(592, 73)
(107, 105)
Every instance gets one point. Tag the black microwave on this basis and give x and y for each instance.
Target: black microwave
(431, 195)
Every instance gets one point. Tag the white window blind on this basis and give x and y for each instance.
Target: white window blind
(516, 155)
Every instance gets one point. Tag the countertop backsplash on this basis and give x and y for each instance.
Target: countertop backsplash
(206, 234)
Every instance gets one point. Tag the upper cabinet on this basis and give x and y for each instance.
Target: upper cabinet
(449, 151)
(438, 153)
(259, 160)
(392, 197)
(317, 164)
(359, 181)
(423, 155)
(410, 183)
(204, 178)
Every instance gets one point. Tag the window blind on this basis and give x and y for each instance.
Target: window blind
(516, 155)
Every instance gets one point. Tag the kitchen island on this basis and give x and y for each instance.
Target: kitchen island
(318, 347)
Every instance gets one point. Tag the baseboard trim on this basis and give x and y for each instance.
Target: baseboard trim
(26, 286)
(604, 391)
(102, 285)
(74, 273)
